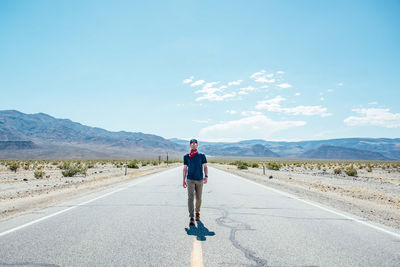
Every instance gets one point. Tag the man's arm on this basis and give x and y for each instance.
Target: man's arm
(205, 172)
(185, 167)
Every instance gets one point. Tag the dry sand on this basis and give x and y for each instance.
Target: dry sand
(372, 195)
(21, 192)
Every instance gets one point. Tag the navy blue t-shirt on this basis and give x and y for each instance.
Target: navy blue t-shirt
(195, 166)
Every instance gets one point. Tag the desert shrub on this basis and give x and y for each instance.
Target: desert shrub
(14, 166)
(350, 171)
(337, 171)
(254, 165)
(39, 174)
(236, 162)
(70, 170)
(154, 163)
(40, 167)
(239, 163)
(144, 163)
(273, 166)
(133, 165)
(243, 166)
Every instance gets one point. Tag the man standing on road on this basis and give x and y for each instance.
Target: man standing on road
(193, 165)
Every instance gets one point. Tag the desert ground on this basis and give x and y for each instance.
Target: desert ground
(36, 184)
(373, 193)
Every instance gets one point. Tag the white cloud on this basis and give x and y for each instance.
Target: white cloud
(284, 85)
(188, 80)
(297, 94)
(264, 86)
(264, 80)
(280, 72)
(261, 127)
(196, 83)
(232, 112)
(249, 88)
(373, 103)
(263, 77)
(243, 93)
(374, 117)
(208, 90)
(211, 93)
(215, 97)
(258, 74)
(340, 84)
(235, 82)
(211, 84)
(273, 105)
(322, 98)
(270, 105)
(330, 90)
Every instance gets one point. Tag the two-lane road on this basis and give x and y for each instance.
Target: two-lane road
(145, 223)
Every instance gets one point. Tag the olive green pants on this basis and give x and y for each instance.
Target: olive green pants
(195, 187)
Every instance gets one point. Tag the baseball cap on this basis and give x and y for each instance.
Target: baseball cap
(193, 141)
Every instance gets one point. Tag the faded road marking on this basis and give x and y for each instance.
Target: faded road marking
(196, 257)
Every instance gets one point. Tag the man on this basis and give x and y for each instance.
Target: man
(193, 165)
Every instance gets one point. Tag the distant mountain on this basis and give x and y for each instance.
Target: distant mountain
(371, 148)
(43, 136)
(64, 138)
(256, 150)
(336, 152)
(17, 145)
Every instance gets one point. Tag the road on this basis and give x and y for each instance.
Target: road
(145, 223)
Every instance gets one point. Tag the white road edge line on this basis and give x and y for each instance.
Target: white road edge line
(321, 207)
(65, 210)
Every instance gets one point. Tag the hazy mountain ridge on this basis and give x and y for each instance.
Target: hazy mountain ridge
(17, 145)
(43, 136)
(346, 148)
(334, 152)
(63, 137)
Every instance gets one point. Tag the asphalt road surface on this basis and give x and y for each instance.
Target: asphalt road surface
(145, 223)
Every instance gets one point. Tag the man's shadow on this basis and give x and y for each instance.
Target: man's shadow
(200, 231)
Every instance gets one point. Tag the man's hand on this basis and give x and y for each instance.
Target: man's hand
(184, 184)
(205, 180)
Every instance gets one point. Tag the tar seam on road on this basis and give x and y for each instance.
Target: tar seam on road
(196, 256)
(323, 208)
(235, 226)
(65, 210)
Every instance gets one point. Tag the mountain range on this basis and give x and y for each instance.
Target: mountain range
(43, 136)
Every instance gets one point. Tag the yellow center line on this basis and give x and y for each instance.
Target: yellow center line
(196, 257)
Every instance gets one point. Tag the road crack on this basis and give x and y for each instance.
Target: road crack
(235, 226)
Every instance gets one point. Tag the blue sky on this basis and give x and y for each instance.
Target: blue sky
(215, 70)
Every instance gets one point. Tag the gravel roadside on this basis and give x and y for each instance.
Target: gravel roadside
(377, 200)
(21, 192)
